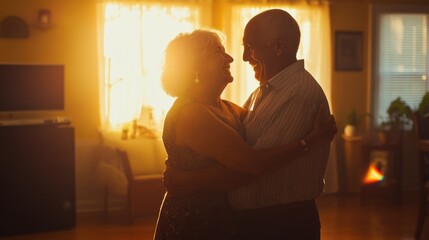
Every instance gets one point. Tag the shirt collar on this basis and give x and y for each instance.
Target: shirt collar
(278, 81)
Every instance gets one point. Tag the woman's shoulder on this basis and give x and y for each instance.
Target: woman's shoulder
(183, 112)
(185, 106)
(179, 104)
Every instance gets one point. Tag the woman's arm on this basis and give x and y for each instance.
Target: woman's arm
(214, 178)
(199, 129)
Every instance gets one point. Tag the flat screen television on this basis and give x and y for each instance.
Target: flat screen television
(31, 87)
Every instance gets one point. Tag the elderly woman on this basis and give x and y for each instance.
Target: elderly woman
(203, 131)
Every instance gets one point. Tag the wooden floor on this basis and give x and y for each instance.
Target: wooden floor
(342, 217)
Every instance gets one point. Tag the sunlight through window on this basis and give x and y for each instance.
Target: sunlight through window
(135, 36)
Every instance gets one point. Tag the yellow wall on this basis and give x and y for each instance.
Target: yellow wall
(349, 88)
(72, 42)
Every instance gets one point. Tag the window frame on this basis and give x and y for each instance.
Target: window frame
(377, 10)
(104, 85)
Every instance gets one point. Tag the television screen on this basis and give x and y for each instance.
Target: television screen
(31, 87)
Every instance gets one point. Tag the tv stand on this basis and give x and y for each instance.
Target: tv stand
(37, 178)
(36, 121)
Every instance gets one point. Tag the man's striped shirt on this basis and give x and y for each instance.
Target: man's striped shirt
(285, 114)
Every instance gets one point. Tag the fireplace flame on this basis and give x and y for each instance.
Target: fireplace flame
(373, 175)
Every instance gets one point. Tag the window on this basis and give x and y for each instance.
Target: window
(400, 58)
(134, 36)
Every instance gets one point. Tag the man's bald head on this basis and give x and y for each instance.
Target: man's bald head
(274, 25)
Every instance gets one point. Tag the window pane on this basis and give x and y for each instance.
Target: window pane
(403, 43)
(135, 37)
(401, 63)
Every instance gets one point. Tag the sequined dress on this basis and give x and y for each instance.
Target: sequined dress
(200, 215)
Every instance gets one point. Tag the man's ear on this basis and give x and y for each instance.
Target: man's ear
(280, 46)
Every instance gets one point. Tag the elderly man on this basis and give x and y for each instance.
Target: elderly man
(280, 205)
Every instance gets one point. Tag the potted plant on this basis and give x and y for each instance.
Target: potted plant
(399, 116)
(423, 108)
(352, 122)
(421, 114)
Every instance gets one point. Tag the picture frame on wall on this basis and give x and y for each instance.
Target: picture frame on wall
(348, 51)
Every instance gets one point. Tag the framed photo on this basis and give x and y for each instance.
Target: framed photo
(348, 51)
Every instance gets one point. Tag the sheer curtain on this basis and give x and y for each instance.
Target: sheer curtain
(315, 49)
(132, 39)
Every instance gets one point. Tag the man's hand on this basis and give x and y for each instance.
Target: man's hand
(323, 128)
(214, 178)
(177, 182)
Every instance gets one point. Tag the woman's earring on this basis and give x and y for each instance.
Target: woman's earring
(197, 79)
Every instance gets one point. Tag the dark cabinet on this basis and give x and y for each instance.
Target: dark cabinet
(37, 178)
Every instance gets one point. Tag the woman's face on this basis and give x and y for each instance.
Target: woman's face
(216, 66)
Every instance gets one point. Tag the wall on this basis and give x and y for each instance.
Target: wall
(72, 42)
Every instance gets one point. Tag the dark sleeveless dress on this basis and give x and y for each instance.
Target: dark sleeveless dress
(201, 215)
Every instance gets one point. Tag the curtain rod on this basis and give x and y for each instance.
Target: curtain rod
(281, 1)
(153, 1)
(234, 1)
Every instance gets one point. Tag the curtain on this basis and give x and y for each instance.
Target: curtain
(132, 39)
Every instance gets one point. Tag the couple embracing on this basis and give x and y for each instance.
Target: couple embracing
(250, 172)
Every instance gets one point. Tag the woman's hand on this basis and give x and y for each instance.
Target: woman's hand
(324, 129)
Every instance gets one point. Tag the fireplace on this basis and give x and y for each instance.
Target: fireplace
(382, 173)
